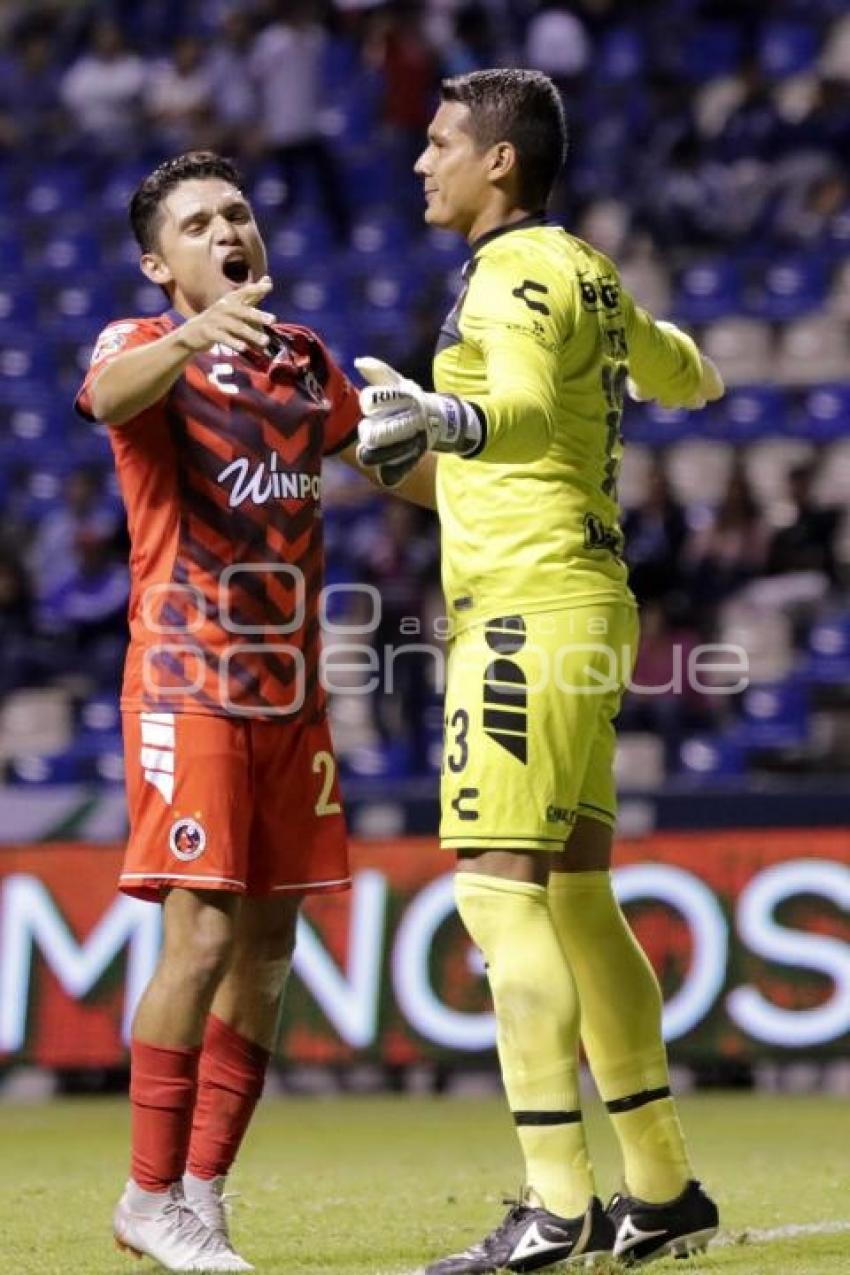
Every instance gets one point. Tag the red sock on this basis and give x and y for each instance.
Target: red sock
(162, 1096)
(230, 1081)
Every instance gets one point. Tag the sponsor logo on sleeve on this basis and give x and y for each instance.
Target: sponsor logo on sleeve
(111, 340)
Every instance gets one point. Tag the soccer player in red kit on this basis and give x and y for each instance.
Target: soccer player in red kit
(219, 418)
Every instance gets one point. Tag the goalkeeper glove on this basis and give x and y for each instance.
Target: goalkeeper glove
(711, 386)
(401, 422)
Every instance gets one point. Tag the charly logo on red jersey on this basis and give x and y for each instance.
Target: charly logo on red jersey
(263, 481)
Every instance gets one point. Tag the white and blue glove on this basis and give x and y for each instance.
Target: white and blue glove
(401, 422)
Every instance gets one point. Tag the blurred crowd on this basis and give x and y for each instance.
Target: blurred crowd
(710, 129)
(701, 121)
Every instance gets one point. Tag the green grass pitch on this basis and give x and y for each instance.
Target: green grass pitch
(373, 1186)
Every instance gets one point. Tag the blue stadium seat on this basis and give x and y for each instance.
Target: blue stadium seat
(789, 288)
(774, 715)
(384, 761)
(621, 55)
(658, 426)
(100, 717)
(137, 297)
(824, 9)
(442, 248)
(302, 239)
(38, 423)
(24, 357)
(343, 346)
(383, 333)
(17, 303)
(711, 49)
(120, 252)
(61, 768)
(352, 107)
(108, 763)
(54, 190)
(118, 189)
(68, 252)
(269, 192)
(379, 230)
(710, 757)
(388, 290)
(24, 393)
(340, 61)
(828, 651)
(708, 290)
(787, 48)
(72, 348)
(101, 752)
(366, 173)
(89, 446)
(85, 300)
(314, 293)
(11, 251)
(432, 731)
(825, 413)
(42, 491)
(387, 283)
(838, 233)
(748, 412)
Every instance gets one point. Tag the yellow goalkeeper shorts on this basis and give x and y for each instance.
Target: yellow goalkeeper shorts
(529, 739)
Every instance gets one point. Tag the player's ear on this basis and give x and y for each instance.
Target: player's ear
(154, 268)
(503, 161)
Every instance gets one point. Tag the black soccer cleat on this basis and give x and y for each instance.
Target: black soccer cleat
(530, 1238)
(645, 1231)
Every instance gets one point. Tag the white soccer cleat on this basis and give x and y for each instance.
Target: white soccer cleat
(163, 1226)
(207, 1199)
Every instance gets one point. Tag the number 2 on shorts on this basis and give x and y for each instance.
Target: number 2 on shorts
(325, 764)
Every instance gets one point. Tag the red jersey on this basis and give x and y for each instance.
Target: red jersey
(222, 483)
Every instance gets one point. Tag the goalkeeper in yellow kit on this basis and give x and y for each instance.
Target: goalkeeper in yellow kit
(531, 369)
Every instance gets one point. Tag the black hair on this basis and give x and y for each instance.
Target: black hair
(520, 107)
(149, 194)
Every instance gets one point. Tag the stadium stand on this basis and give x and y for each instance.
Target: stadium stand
(709, 156)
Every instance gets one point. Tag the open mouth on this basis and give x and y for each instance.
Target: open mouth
(236, 268)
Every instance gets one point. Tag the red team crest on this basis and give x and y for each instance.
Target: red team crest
(187, 840)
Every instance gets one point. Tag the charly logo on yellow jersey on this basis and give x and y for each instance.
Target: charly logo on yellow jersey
(530, 291)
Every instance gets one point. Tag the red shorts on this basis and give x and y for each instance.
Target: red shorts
(220, 803)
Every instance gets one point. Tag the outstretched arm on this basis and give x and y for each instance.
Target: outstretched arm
(140, 377)
(665, 363)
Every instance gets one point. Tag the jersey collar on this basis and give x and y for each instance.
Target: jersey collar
(525, 223)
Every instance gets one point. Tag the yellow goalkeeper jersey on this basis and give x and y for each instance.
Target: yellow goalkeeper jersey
(541, 339)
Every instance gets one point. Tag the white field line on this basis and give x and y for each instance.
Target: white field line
(752, 1235)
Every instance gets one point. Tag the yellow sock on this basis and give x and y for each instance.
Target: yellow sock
(621, 1031)
(537, 1020)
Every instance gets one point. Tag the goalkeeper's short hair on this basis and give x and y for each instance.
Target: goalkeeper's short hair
(523, 108)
